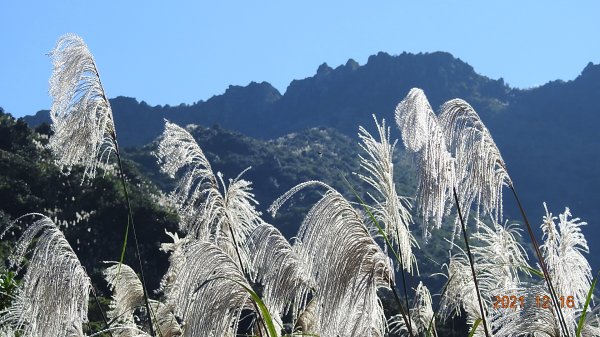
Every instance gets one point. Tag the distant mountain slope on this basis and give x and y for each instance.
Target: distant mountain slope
(278, 165)
(340, 98)
(548, 135)
(550, 139)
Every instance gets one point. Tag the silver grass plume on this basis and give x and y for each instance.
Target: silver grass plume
(6, 331)
(499, 257)
(480, 170)
(207, 213)
(82, 121)
(128, 296)
(123, 329)
(166, 322)
(423, 136)
(177, 259)
(207, 292)
(120, 330)
(344, 263)
(307, 321)
(197, 189)
(52, 299)
(422, 315)
(391, 210)
(238, 215)
(128, 292)
(279, 270)
(562, 250)
(460, 292)
(544, 322)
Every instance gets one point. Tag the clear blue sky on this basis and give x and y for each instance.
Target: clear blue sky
(171, 52)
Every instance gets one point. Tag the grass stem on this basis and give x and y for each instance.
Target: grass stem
(472, 263)
(137, 248)
(538, 253)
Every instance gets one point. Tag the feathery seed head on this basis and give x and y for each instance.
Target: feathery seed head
(423, 136)
(391, 210)
(53, 296)
(82, 121)
(480, 170)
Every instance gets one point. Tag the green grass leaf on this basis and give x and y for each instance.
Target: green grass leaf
(474, 328)
(533, 271)
(268, 320)
(585, 306)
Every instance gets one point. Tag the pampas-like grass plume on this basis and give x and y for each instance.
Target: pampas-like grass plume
(571, 275)
(280, 271)
(422, 135)
(52, 299)
(128, 292)
(207, 291)
(166, 322)
(82, 121)
(207, 213)
(6, 331)
(391, 210)
(422, 315)
(562, 250)
(345, 264)
(499, 257)
(480, 170)
(197, 190)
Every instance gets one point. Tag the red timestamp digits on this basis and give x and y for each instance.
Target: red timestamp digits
(509, 302)
(544, 302)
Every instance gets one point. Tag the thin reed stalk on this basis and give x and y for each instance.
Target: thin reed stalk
(133, 231)
(471, 263)
(405, 316)
(101, 311)
(538, 253)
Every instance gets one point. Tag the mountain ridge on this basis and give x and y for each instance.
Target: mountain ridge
(546, 134)
(266, 104)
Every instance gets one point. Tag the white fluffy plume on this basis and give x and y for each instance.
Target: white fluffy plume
(423, 136)
(345, 264)
(283, 275)
(128, 292)
(562, 249)
(391, 210)
(82, 121)
(422, 315)
(52, 299)
(499, 257)
(128, 296)
(480, 170)
(206, 291)
(207, 212)
(197, 190)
